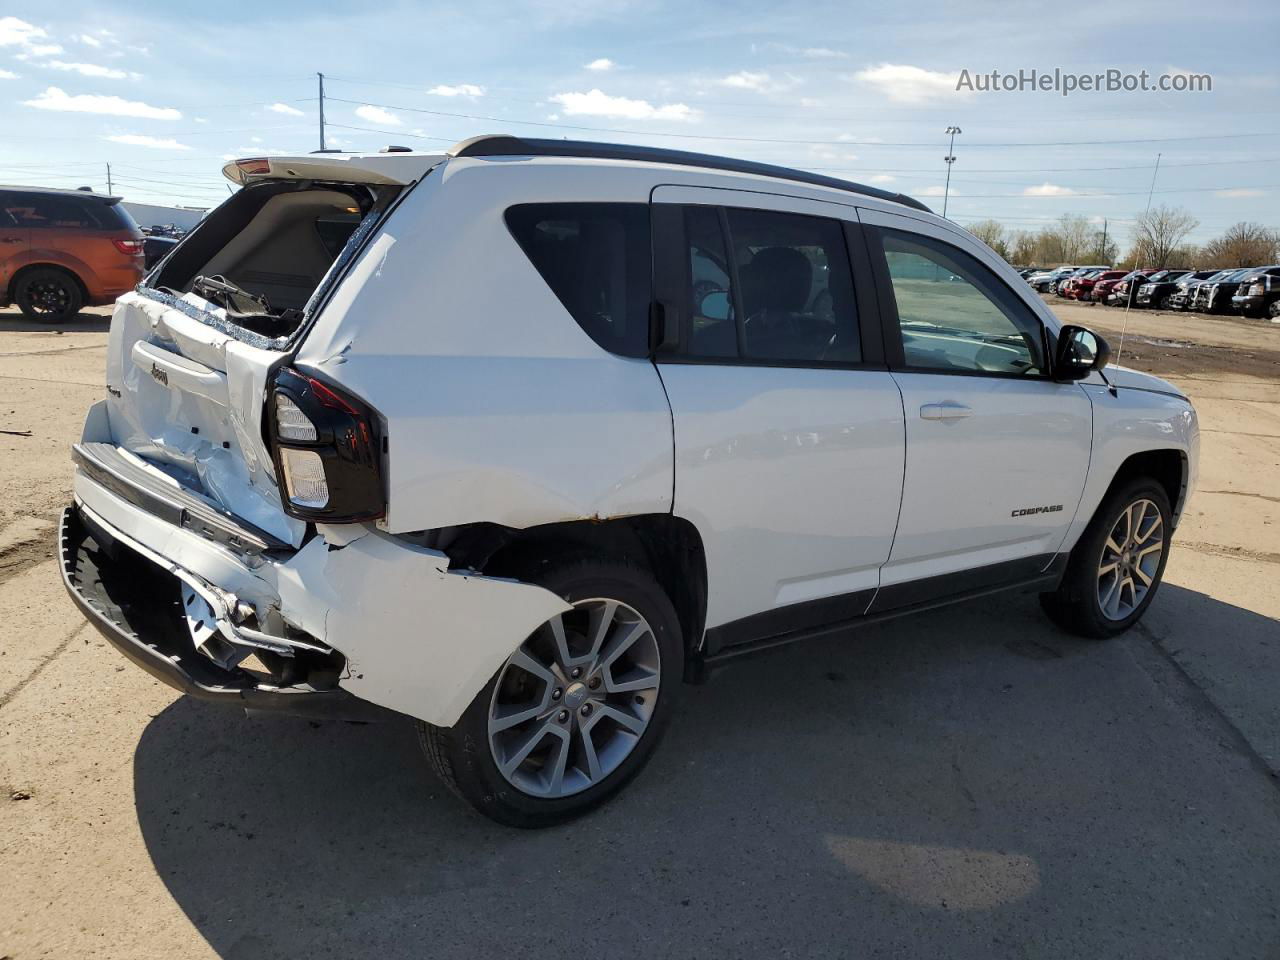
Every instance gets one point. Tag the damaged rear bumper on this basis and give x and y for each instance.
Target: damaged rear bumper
(353, 615)
(130, 606)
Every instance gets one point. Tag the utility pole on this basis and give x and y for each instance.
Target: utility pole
(109, 179)
(950, 158)
(320, 76)
(1102, 254)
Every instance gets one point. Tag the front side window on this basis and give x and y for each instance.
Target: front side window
(768, 286)
(595, 258)
(954, 315)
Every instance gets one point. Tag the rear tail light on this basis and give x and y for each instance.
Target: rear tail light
(131, 247)
(327, 449)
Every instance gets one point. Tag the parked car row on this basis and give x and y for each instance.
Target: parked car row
(1251, 291)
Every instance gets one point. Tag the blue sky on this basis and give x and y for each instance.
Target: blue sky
(165, 91)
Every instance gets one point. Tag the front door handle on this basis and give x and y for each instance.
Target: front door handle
(947, 410)
(10, 239)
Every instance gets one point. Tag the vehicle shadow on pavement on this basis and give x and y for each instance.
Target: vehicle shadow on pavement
(970, 782)
(15, 321)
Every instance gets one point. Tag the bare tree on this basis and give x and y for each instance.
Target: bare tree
(1026, 248)
(1244, 245)
(1076, 234)
(1158, 232)
(992, 234)
(1103, 248)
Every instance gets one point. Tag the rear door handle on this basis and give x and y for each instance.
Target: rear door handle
(10, 239)
(947, 410)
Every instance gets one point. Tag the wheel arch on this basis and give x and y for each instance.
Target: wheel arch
(27, 268)
(669, 546)
(1167, 466)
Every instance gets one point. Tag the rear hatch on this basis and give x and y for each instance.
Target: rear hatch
(192, 351)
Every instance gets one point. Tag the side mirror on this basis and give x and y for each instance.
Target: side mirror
(1080, 351)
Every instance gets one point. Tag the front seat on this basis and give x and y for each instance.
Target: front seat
(775, 292)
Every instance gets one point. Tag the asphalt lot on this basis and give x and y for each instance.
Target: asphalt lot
(968, 783)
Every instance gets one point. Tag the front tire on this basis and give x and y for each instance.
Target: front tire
(577, 709)
(48, 295)
(1118, 564)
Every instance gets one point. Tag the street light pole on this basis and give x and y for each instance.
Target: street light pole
(950, 158)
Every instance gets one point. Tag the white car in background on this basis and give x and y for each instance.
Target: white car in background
(514, 439)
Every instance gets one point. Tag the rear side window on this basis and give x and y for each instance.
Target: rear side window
(43, 211)
(595, 258)
(769, 286)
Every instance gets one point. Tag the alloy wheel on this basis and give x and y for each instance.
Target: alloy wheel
(50, 297)
(574, 701)
(1130, 559)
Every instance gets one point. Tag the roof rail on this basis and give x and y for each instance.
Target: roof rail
(504, 145)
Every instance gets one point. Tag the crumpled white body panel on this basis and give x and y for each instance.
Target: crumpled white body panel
(418, 639)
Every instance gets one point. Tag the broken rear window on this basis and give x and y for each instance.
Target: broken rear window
(263, 254)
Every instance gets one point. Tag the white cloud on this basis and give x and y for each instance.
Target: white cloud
(200, 119)
(19, 33)
(902, 83)
(8, 75)
(58, 100)
(600, 63)
(935, 192)
(830, 154)
(459, 90)
(90, 40)
(823, 53)
(1239, 192)
(256, 150)
(284, 108)
(41, 50)
(809, 53)
(140, 140)
(596, 103)
(881, 178)
(377, 115)
(89, 70)
(746, 80)
(1048, 190)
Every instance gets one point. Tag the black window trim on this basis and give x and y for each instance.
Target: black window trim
(670, 283)
(894, 353)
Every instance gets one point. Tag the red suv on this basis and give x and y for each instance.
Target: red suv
(1086, 285)
(61, 250)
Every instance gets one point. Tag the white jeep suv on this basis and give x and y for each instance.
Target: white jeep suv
(515, 439)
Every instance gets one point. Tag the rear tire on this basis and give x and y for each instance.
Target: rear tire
(587, 733)
(48, 295)
(1117, 566)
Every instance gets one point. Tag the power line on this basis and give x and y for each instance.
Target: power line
(783, 140)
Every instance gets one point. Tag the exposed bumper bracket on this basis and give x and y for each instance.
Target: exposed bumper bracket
(156, 639)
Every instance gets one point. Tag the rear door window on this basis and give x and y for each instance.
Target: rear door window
(595, 257)
(768, 286)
